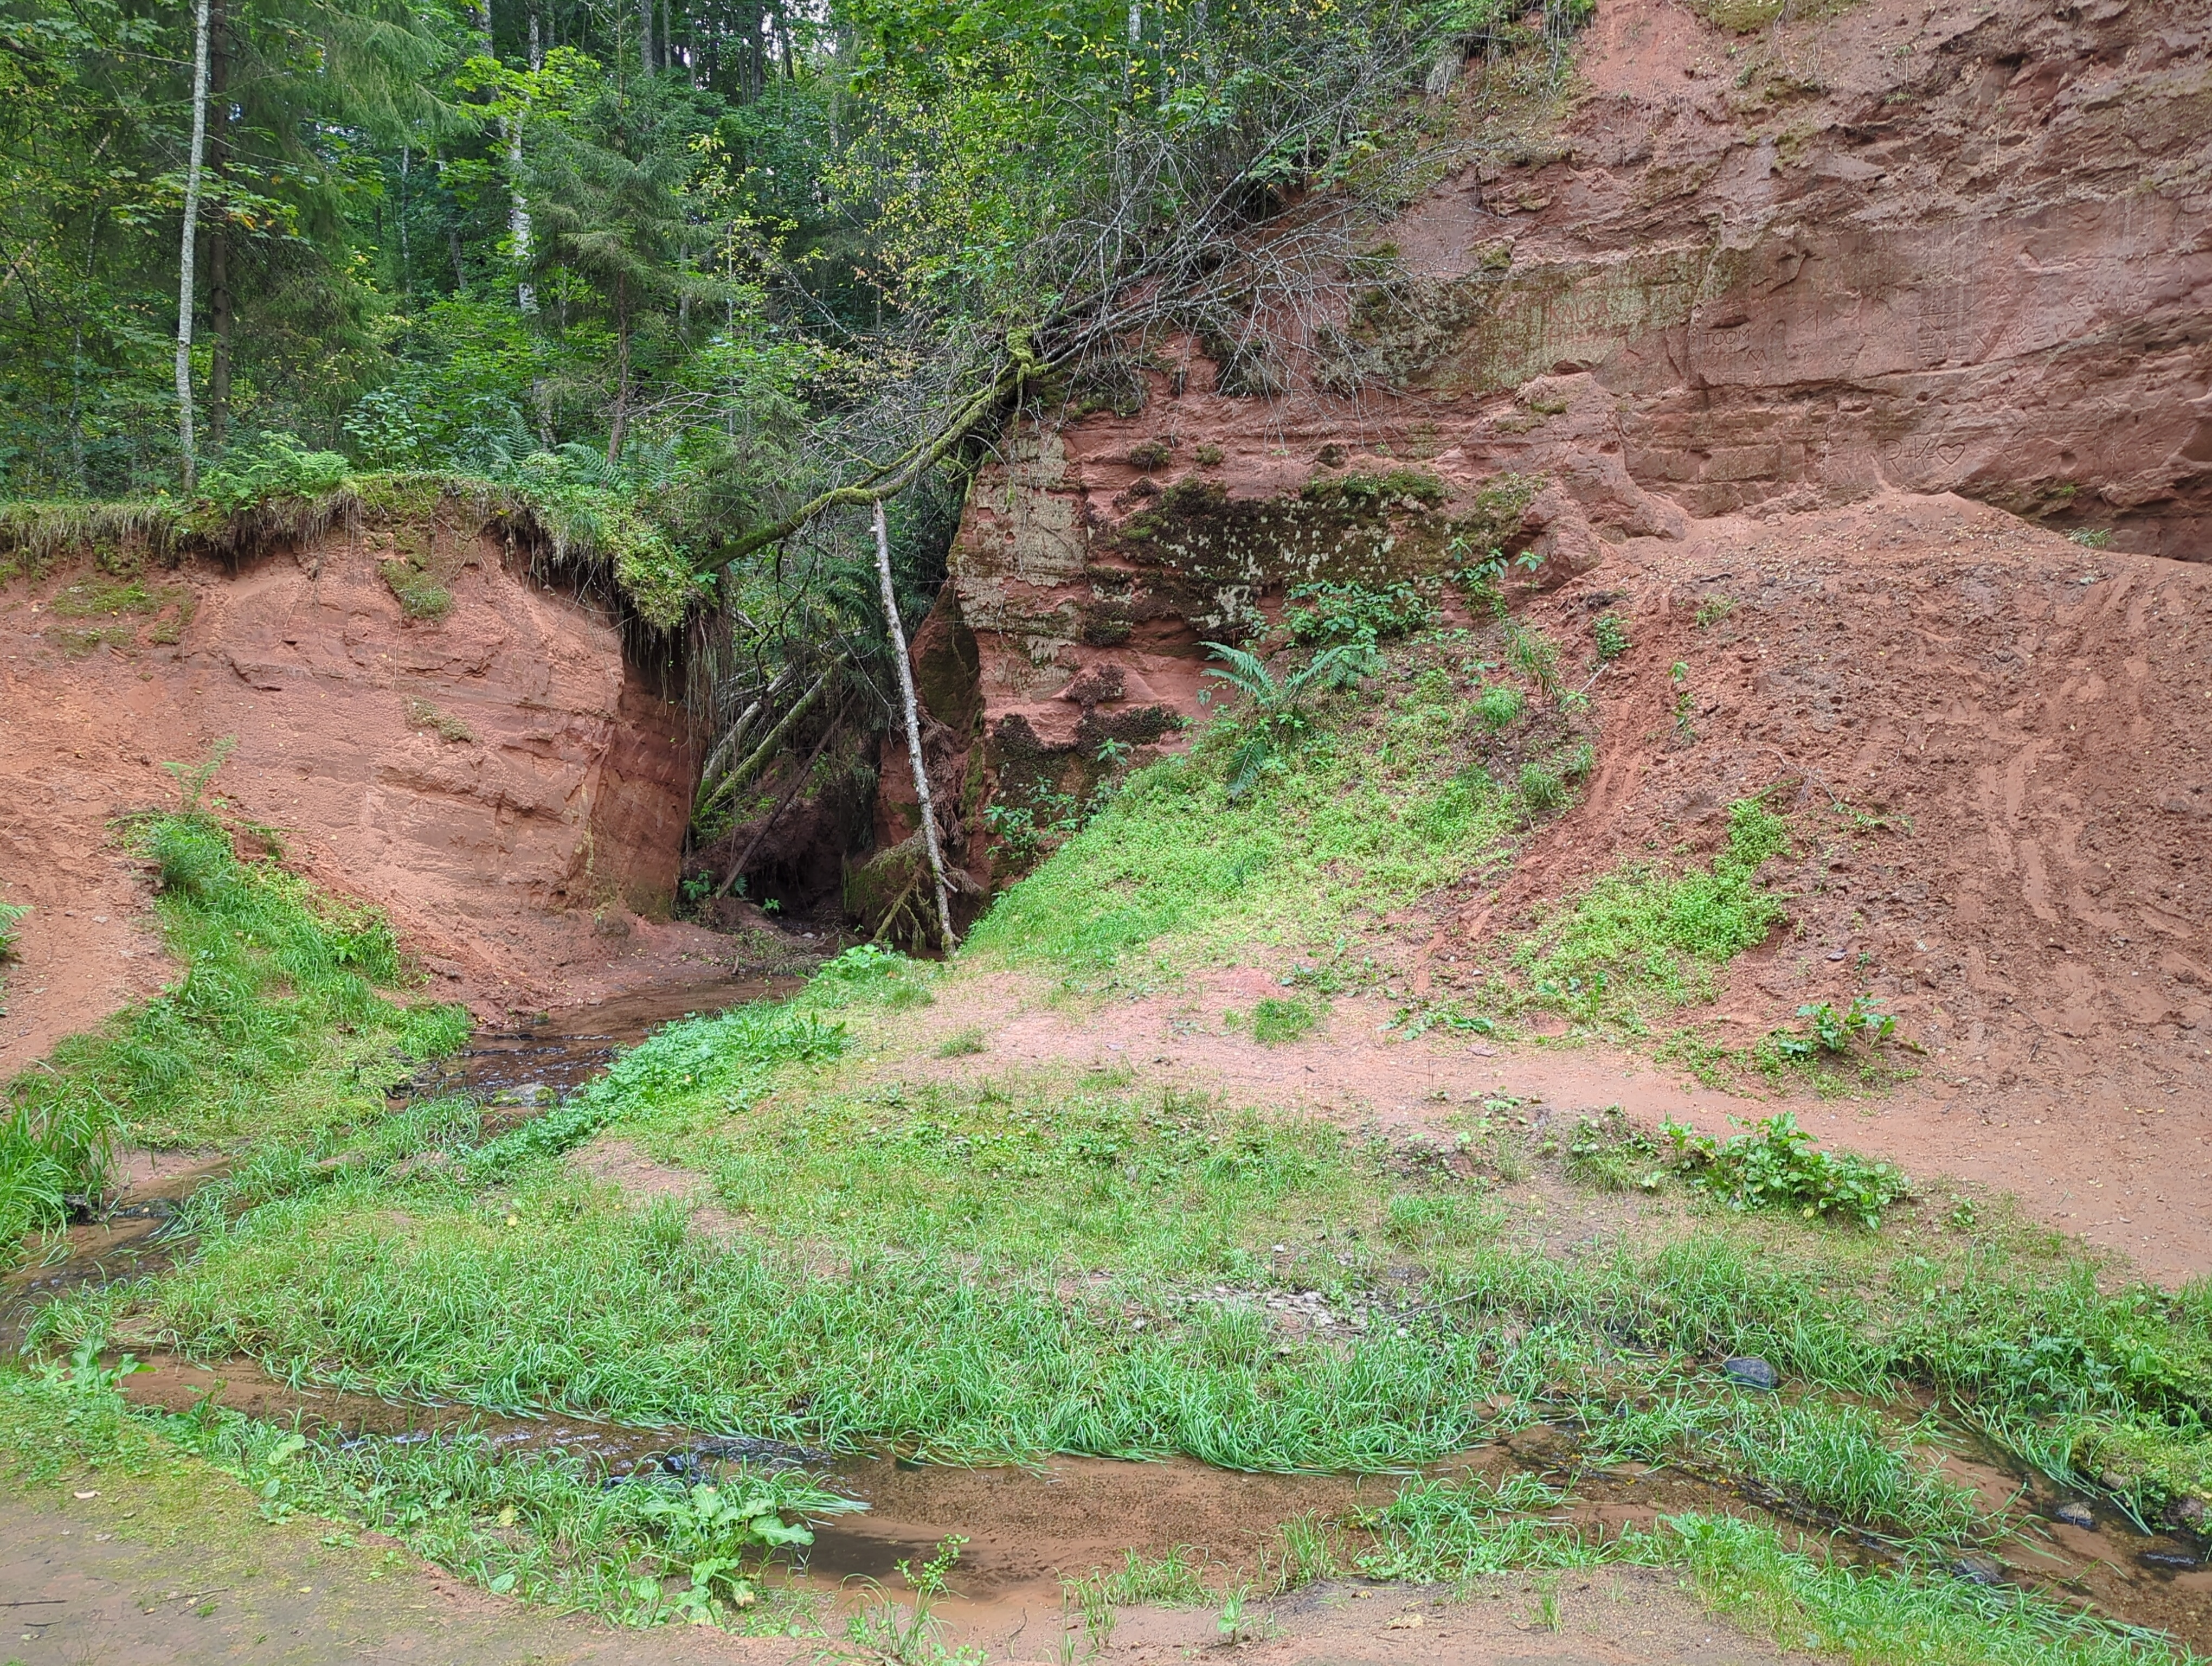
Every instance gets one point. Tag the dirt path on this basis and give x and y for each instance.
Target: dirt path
(2117, 1168)
(176, 1568)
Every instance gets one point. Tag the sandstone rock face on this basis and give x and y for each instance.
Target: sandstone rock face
(1927, 249)
(496, 778)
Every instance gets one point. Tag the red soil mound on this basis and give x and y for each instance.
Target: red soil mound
(501, 779)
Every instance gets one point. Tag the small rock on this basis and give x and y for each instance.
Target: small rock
(1750, 1372)
(2192, 1511)
(1977, 1569)
(2075, 1513)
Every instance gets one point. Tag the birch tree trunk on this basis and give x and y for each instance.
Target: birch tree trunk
(185, 252)
(913, 729)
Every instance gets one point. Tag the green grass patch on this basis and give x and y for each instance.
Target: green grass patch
(1019, 1262)
(541, 1526)
(282, 1026)
(1640, 939)
(1432, 779)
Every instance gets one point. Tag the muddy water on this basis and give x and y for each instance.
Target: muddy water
(130, 1241)
(561, 1050)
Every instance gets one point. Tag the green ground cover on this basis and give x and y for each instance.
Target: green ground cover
(1008, 1264)
(1429, 778)
(282, 1023)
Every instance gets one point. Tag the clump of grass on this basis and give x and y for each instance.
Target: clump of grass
(1275, 1021)
(418, 593)
(961, 1044)
(1500, 707)
(1638, 936)
(12, 914)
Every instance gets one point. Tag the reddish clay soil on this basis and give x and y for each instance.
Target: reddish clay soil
(502, 781)
(2022, 874)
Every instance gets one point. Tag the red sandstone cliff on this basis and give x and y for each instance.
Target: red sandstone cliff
(502, 779)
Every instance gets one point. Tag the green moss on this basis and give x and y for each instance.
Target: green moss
(565, 526)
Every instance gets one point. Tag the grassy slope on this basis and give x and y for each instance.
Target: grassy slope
(280, 1029)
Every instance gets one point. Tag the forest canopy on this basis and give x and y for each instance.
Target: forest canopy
(704, 279)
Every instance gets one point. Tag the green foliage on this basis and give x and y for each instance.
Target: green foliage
(1638, 936)
(1347, 613)
(12, 914)
(1378, 804)
(278, 1023)
(278, 467)
(1776, 1166)
(1276, 716)
(192, 780)
(419, 594)
(1610, 633)
(1833, 1034)
(1500, 706)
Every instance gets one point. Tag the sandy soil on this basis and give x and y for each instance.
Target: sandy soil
(2137, 1184)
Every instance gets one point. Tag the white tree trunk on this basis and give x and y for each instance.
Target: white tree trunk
(913, 730)
(186, 249)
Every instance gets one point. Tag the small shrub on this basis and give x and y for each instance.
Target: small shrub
(192, 779)
(1148, 455)
(1776, 1166)
(1326, 613)
(1611, 635)
(1209, 457)
(1499, 706)
(1535, 656)
(1827, 1030)
(1275, 1021)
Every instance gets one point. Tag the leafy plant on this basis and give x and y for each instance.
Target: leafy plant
(1610, 632)
(12, 914)
(1329, 613)
(192, 779)
(1276, 716)
(1776, 1166)
(279, 466)
(1829, 1032)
